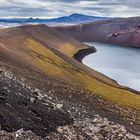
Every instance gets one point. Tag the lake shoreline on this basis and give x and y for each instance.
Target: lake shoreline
(81, 54)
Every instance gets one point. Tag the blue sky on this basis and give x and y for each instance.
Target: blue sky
(56, 8)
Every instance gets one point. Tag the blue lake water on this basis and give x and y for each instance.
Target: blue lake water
(118, 62)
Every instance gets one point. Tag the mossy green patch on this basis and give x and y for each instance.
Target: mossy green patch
(69, 49)
(52, 64)
(46, 60)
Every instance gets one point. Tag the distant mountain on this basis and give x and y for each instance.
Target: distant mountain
(77, 18)
(23, 20)
(74, 18)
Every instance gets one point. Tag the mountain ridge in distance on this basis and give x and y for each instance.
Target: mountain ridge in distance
(78, 18)
(73, 18)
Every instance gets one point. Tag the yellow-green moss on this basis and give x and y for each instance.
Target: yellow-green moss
(69, 49)
(114, 94)
(52, 64)
(46, 60)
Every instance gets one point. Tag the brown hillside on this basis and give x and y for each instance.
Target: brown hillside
(42, 86)
(123, 31)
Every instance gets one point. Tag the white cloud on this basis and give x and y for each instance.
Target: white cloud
(55, 8)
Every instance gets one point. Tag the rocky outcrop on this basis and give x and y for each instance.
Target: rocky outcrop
(22, 107)
(91, 129)
(84, 52)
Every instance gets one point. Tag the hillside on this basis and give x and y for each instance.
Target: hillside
(122, 31)
(43, 88)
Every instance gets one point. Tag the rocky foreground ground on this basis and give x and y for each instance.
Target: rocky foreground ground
(30, 113)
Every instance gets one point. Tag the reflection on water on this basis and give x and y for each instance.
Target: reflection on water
(118, 62)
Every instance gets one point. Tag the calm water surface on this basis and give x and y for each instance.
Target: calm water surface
(118, 62)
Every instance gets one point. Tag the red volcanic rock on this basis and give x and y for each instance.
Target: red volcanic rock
(123, 31)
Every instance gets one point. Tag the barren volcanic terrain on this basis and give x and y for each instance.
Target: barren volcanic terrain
(46, 93)
(122, 31)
